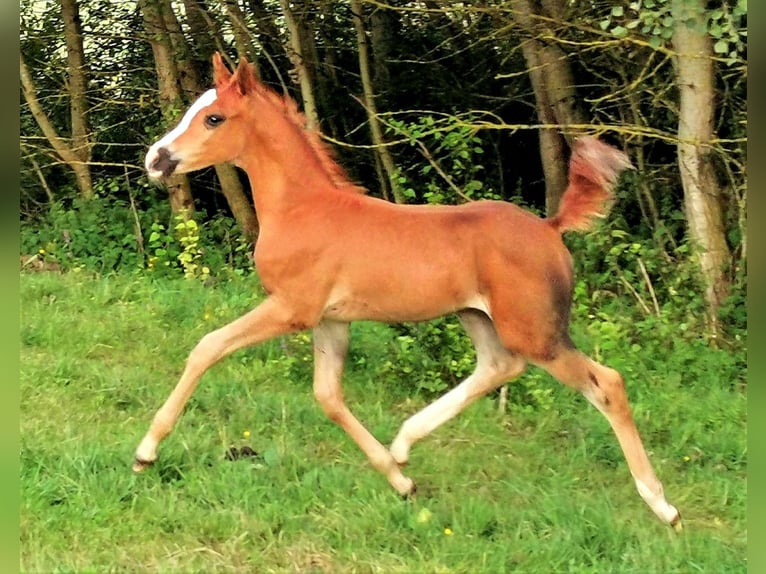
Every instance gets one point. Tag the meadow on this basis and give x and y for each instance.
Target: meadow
(541, 487)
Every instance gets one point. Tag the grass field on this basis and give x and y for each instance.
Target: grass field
(540, 489)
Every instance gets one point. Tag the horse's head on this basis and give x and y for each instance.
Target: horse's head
(211, 131)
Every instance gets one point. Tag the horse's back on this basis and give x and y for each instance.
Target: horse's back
(398, 263)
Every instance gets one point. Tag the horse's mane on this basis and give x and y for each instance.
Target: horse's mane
(324, 154)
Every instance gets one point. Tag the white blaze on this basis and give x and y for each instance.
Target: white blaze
(202, 102)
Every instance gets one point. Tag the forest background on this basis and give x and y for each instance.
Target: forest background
(427, 102)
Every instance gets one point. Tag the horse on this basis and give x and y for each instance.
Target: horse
(328, 254)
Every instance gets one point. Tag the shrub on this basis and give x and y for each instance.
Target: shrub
(107, 233)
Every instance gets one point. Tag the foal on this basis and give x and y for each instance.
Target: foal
(328, 255)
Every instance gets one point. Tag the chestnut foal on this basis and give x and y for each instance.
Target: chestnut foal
(327, 255)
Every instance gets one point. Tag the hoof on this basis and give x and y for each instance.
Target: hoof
(677, 524)
(141, 465)
(411, 493)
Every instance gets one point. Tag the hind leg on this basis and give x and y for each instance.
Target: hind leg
(605, 389)
(495, 366)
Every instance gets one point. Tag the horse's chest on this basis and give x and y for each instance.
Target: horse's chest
(280, 264)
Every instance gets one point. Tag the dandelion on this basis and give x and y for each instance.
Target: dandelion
(687, 458)
(448, 531)
(41, 251)
(246, 434)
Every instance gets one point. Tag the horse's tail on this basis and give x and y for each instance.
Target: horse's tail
(593, 170)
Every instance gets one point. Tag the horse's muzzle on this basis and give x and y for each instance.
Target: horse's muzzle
(159, 163)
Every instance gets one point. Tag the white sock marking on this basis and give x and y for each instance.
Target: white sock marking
(657, 502)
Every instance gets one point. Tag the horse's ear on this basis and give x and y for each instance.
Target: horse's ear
(245, 77)
(221, 74)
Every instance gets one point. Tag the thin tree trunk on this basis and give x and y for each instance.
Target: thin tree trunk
(369, 102)
(43, 181)
(269, 38)
(60, 145)
(206, 31)
(702, 192)
(298, 56)
(644, 193)
(383, 26)
(330, 56)
(78, 85)
(239, 28)
(336, 124)
(231, 185)
(182, 60)
(554, 87)
(171, 102)
(241, 208)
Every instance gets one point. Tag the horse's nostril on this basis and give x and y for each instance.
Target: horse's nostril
(164, 163)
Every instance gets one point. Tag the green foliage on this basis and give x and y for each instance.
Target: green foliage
(430, 357)
(159, 243)
(725, 25)
(179, 250)
(108, 233)
(434, 356)
(616, 266)
(187, 232)
(453, 145)
(654, 20)
(99, 234)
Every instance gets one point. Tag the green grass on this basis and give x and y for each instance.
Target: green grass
(542, 489)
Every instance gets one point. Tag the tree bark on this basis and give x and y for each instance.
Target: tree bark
(171, 102)
(185, 71)
(702, 193)
(78, 86)
(239, 28)
(298, 53)
(241, 208)
(63, 148)
(381, 151)
(554, 88)
(231, 185)
(383, 26)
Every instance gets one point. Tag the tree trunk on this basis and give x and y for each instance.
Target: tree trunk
(241, 208)
(383, 26)
(554, 87)
(60, 145)
(185, 72)
(75, 151)
(269, 38)
(702, 192)
(336, 124)
(78, 86)
(171, 102)
(298, 53)
(369, 102)
(231, 185)
(239, 28)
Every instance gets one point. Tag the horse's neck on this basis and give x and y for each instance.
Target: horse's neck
(283, 170)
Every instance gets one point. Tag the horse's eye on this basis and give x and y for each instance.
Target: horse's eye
(213, 121)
